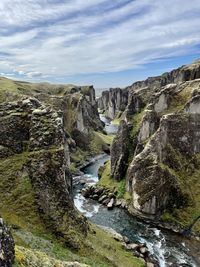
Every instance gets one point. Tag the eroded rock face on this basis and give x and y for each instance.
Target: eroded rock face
(7, 252)
(113, 102)
(30, 127)
(163, 133)
(150, 180)
(116, 100)
(120, 152)
(81, 115)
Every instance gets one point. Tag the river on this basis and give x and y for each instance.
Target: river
(168, 248)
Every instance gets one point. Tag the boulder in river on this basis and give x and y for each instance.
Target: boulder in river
(111, 203)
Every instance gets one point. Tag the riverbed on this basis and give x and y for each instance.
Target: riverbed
(168, 248)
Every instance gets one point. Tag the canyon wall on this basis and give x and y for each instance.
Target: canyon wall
(37, 128)
(157, 148)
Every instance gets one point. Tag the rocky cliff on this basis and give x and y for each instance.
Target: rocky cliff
(113, 102)
(157, 147)
(35, 132)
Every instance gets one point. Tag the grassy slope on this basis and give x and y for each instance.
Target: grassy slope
(187, 176)
(101, 250)
(11, 90)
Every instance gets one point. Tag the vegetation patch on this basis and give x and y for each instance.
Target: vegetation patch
(187, 175)
(100, 142)
(178, 101)
(136, 122)
(100, 249)
(17, 202)
(108, 182)
(116, 121)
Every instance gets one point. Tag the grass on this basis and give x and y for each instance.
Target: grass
(187, 175)
(136, 122)
(17, 204)
(106, 138)
(100, 249)
(11, 90)
(113, 185)
(100, 142)
(116, 121)
(179, 101)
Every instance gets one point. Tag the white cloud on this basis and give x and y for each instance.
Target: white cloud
(63, 38)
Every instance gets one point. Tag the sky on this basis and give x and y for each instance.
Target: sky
(101, 42)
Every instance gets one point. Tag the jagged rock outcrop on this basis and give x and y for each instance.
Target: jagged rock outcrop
(150, 179)
(120, 152)
(29, 127)
(113, 102)
(185, 73)
(7, 251)
(162, 115)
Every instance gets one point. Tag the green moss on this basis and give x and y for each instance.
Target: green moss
(116, 121)
(187, 175)
(78, 158)
(105, 138)
(178, 101)
(17, 204)
(136, 122)
(111, 250)
(100, 142)
(113, 185)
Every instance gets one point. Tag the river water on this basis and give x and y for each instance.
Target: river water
(169, 249)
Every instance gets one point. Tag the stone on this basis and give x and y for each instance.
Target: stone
(150, 264)
(110, 205)
(126, 239)
(113, 102)
(106, 201)
(102, 198)
(95, 196)
(118, 203)
(132, 246)
(143, 250)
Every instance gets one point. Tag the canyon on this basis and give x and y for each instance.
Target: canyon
(50, 133)
(156, 150)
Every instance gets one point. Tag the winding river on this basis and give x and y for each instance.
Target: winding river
(167, 248)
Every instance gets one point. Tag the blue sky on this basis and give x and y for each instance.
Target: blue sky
(101, 42)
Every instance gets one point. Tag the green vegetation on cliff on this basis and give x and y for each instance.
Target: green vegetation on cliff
(113, 185)
(187, 173)
(136, 122)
